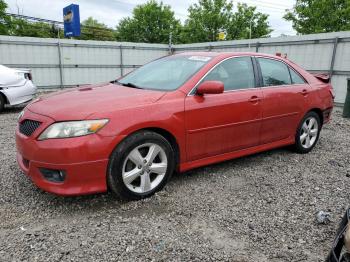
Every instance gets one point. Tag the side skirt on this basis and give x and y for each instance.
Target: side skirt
(236, 154)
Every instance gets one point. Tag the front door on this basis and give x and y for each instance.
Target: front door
(221, 123)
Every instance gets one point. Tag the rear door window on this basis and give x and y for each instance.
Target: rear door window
(274, 73)
(296, 78)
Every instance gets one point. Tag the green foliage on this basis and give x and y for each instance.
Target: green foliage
(209, 17)
(91, 30)
(154, 22)
(206, 19)
(151, 22)
(94, 30)
(4, 19)
(21, 27)
(320, 16)
(244, 18)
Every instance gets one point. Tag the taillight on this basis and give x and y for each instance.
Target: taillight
(28, 76)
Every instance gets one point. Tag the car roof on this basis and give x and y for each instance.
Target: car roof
(226, 54)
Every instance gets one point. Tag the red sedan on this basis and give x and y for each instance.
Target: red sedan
(175, 113)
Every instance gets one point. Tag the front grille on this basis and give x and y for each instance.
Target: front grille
(27, 127)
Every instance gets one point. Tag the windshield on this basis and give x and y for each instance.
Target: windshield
(167, 73)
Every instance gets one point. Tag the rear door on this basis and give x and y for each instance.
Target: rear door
(221, 123)
(285, 95)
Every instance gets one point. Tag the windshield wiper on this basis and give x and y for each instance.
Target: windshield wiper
(126, 84)
(130, 85)
(114, 82)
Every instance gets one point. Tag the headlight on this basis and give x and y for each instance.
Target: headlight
(20, 115)
(73, 129)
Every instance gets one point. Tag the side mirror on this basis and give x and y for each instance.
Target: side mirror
(210, 87)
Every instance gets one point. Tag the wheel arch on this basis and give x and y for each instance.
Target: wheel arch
(5, 97)
(161, 131)
(169, 136)
(319, 112)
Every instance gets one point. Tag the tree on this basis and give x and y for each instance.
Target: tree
(93, 30)
(4, 19)
(21, 27)
(209, 17)
(320, 16)
(246, 18)
(151, 22)
(206, 19)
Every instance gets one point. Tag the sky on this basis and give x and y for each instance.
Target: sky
(111, 11)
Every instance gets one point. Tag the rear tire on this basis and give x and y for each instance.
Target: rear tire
(308, 133)
(2, 102)
(140, 165)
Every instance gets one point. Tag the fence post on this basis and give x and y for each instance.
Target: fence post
(121, 60)
(335, 45)
(60, 62)
(346, 109)
(170, 43)
(257, 47)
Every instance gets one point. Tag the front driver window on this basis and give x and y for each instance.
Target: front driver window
(235, 73)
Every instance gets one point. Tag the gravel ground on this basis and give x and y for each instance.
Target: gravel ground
(257, 208)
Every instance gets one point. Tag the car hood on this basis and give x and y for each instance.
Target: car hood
(80, 103)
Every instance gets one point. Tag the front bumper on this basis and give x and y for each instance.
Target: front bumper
(83, 159)
(82, 178)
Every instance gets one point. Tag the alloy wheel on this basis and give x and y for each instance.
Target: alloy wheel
(309, 132)
(144, 168)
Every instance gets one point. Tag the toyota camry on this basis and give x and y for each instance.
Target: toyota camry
(173, 114)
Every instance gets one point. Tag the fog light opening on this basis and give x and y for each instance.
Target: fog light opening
(52, 175)
(25, 162)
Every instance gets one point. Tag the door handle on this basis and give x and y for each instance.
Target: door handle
(254, 99)
(304, 92)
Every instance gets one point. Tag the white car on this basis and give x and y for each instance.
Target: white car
(16, 86)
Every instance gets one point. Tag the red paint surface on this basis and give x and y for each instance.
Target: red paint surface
(208, 128)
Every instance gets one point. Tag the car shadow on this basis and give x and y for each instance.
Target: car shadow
(218, 168)
(13, 109)
(92, 203)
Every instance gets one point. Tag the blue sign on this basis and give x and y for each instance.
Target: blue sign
(71, 19)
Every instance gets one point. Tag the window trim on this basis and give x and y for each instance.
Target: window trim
(288, 66)
(261, 76)
(260, 83)
(255, 72)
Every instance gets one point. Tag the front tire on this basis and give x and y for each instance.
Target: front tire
(308, 133)
(140, 165)
(2, 102)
